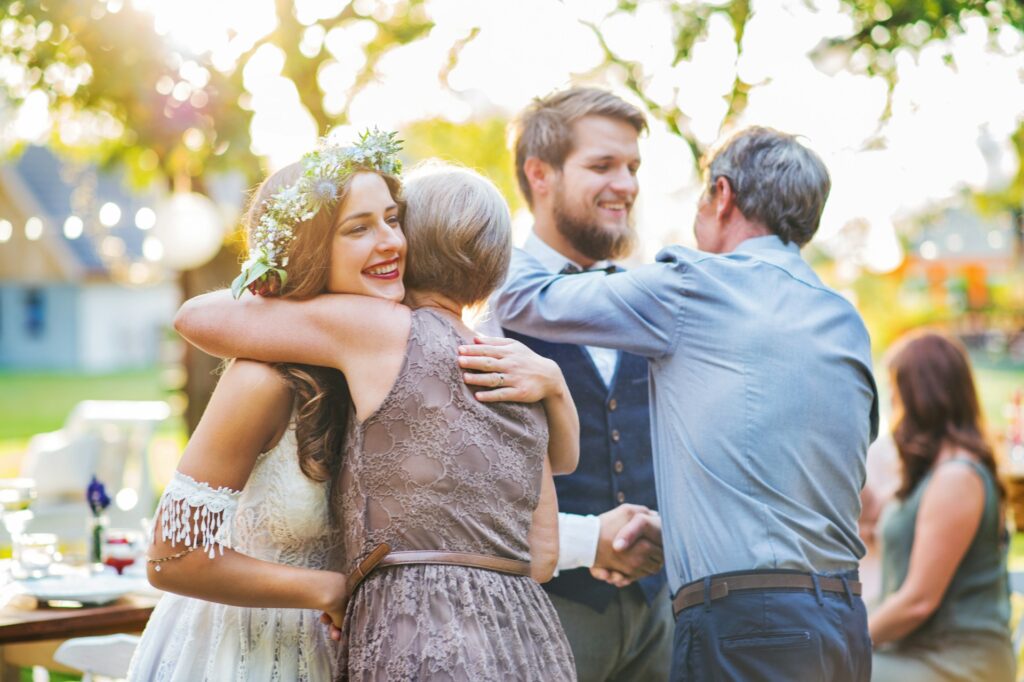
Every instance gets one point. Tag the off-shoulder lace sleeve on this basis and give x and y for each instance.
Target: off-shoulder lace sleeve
(196, 515)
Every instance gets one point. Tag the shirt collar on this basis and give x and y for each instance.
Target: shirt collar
(770, 242)
(551, 259)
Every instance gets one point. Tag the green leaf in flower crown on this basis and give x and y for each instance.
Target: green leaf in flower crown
(238, 286)
(283, 275)
(247, 277)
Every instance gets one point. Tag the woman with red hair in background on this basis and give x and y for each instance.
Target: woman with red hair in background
(945, 608)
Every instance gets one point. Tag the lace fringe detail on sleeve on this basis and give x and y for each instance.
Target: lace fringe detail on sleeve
(196, 515)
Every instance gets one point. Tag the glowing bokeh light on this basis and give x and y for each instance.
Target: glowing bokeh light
(33, 229)
(73, 227)
(110, 214)
(145, 218)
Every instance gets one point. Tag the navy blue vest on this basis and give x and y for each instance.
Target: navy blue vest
(615, 455)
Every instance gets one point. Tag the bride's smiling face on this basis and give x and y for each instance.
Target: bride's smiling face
(368, 247)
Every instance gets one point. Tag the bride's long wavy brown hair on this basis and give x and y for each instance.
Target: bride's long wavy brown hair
(936, 406)
(322, 398)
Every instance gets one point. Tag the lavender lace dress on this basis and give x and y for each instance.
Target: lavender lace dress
(433, 468)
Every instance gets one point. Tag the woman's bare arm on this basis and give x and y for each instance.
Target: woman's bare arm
(331, 330)
(563, 429)
(248, 412)
(543, 535)
(947, 520)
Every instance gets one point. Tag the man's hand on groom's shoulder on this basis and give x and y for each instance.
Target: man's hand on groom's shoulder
(629, 546)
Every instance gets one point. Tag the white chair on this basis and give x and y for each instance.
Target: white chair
(59, 461)
(106, 656)
(105, 438)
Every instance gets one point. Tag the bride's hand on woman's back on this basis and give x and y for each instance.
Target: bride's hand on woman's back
(510, 370)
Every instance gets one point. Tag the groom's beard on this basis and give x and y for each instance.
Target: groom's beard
(586, 236)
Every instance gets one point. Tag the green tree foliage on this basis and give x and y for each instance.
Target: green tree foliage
(120, 93)
(479, 144)
(156, 109)
(880, 27)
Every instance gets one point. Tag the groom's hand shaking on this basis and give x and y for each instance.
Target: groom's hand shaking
(629, 547)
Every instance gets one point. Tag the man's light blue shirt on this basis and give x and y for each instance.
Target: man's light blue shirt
(762, 398)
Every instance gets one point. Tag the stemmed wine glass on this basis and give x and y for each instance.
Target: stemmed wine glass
(16, 496)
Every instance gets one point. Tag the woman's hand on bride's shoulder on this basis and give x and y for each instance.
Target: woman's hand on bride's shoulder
(506, 370)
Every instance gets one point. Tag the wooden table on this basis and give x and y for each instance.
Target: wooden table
(29, 637)
(127, 614)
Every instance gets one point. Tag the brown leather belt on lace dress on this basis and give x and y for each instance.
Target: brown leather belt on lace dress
(383, 556)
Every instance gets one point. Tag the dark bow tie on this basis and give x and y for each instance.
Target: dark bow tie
(573, 269)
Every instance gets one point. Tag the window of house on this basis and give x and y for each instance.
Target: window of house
(35, 313)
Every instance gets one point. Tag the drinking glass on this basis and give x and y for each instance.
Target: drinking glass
(33, 554)
(122, 547)
(16, 496)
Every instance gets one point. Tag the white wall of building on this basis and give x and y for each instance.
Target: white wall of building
(121, 327)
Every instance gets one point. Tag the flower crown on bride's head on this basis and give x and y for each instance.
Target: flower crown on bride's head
(323, 170)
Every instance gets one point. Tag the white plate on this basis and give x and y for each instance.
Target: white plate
(85, 589)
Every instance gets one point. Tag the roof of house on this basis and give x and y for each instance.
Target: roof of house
(51, 183)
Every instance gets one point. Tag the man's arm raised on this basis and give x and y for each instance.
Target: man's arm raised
(635, 311)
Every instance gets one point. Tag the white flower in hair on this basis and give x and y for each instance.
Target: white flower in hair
(323, 192)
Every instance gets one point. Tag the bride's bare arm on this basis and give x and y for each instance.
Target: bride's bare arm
(248, 412)
(330, 330)
(543, 535)
(513, 372)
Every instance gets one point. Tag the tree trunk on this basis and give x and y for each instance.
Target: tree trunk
(201, 369)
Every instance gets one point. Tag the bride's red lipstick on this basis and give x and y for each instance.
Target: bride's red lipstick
(392, 273)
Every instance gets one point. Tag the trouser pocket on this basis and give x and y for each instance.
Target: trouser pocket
(769, 656)
(767, 640)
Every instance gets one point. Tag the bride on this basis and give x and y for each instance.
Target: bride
(246, 536)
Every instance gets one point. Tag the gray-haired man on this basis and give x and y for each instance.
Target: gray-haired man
(763, 408)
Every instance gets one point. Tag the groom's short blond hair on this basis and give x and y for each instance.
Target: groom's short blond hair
(544, 129)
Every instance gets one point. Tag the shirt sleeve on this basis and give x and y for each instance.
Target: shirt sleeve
(636, 311)
(196, 515)
(577, 540)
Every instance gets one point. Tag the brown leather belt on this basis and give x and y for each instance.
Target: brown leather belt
(383, 556)
(693, 594)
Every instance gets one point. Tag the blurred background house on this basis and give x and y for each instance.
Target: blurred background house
(62, 305)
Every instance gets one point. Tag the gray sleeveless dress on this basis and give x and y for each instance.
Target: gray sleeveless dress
(433, 468)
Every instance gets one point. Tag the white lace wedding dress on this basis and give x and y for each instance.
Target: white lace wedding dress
(280, 516)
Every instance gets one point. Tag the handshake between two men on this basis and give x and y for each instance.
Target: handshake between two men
(629, 547)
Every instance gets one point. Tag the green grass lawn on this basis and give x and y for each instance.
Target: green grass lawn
(996, 383)
(35, 402)
(32, 402)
